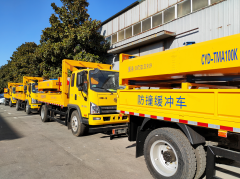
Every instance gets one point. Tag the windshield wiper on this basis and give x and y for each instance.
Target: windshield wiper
(104, 89)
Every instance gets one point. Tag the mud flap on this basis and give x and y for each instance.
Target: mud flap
(141, 136)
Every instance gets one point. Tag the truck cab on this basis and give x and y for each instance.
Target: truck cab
(31, 91)
(93, 91)
(6, 96)
(12, 93)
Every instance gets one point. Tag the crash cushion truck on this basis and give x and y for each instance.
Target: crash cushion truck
(27, 95)
(189, 105)
(88, 102)
(6, 95)
(10, 95)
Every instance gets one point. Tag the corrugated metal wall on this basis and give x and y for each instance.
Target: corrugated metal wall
(143, 10)
(212, 22)
(136, 14)
(152, 7)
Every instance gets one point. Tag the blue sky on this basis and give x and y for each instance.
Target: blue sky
(23, 20)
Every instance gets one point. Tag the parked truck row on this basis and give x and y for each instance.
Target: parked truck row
(181, 105)
(86, 101)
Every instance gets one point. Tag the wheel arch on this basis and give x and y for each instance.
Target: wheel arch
(71, 108)
(149, 125)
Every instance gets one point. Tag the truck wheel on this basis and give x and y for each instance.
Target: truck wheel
(44, 113)
(17, 105)
(78, 128)
(169, 155)
(201, 161)
(28, 108)
(5, 102)
(10, 103)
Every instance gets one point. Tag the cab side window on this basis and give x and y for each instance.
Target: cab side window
(85, 85)
(29, 88)
(72, 80)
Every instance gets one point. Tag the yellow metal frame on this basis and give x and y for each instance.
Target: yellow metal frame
(219, 56)
(62, 97)
(216, 107)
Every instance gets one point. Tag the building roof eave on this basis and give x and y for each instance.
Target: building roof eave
(143, 41)
(121, 12)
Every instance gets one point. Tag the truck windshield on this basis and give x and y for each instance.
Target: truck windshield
(34, 88)
(14, 90)
(104, 81)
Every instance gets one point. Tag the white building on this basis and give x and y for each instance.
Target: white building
(150, 26)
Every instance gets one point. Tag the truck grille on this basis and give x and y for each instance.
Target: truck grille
(108, 109)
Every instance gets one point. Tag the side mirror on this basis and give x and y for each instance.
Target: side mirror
(80, 88)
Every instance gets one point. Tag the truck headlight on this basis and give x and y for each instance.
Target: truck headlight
(94, 109)
(13, 98)
(34, 101)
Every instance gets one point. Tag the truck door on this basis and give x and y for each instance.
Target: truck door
(77, 96)
(10, 91)
(29, 90)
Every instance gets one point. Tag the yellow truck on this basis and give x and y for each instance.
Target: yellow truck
(6, 95)
(87, 102)
(188, 106)
(9, 93)
(27, 95)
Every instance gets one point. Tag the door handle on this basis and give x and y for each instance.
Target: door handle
(75, 96)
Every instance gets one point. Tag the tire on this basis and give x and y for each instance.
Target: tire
(5, 102)
(201, 161)
(44, 114)
(10, 103)
(17, 105)
(78, 128)
(28, 108)
(169, 155)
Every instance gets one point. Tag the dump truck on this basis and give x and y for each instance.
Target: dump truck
(183, 103)
(9, 94)
(87, 101)
(27, 95)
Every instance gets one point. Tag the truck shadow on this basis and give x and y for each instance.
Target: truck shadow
(228, 172)
(130, 146)
(6, 131)
(114, 137)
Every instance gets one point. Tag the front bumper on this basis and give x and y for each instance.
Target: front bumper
(35, 106)
(108, 119)
(14, 101)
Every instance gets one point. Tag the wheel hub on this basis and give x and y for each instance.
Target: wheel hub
(74, 124)
(164, 158)
(169, 156)
(42, 113)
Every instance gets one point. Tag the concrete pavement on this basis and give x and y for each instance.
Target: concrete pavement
(30, 149)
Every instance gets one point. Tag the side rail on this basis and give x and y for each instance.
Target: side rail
(212, 152)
